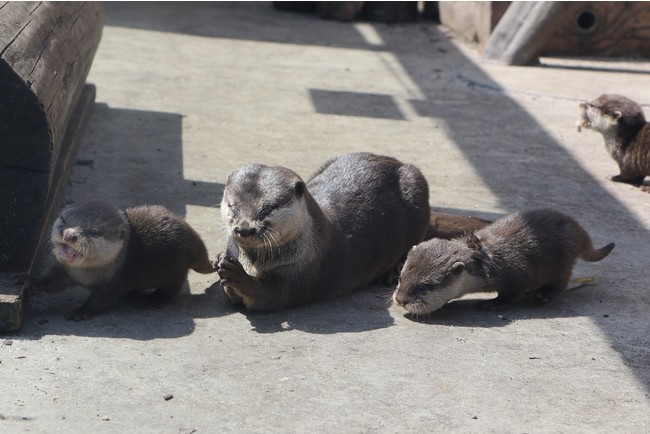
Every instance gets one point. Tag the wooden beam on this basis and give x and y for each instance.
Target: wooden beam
(524, 30)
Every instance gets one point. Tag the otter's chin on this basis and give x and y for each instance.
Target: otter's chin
(419, 308)
(67, 255)
(583, 122)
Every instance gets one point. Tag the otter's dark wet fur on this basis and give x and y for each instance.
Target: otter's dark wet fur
(299, 243)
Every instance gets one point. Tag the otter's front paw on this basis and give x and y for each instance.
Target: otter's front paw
(491, 304)
(23, 279)
(230, 271)
(215, 263)
(77, 315)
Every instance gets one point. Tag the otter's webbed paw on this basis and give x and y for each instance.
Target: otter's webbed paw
(231, 272)
(23, 279)
(79, 314)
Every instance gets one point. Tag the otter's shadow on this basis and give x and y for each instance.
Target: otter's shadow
(467, 312)
(360, 311)
(133, 318)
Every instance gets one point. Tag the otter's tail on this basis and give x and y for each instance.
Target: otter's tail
(592, 255)
(201, 263)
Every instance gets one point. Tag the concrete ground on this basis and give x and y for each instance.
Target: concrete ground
(189, 92)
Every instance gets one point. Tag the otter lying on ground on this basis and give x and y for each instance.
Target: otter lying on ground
(292, 243)
(532, 252)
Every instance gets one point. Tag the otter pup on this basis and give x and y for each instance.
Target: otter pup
(532, 252)
(299, 243)
(626, 132)
(112, 252)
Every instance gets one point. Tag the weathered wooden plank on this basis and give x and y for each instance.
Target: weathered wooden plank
(46, 50)
(472, 20)
(602, 29)
(524, 30)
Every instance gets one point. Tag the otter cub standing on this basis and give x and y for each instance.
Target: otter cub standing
(529, 252)
(111, 253)
(626, 132)
(299, 243)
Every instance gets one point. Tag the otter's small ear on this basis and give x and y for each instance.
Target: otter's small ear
(473, 241)
(617, 114)
(299, 188)
(457, 267)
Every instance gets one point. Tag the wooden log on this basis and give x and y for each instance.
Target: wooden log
(524, 30)
(46, 50)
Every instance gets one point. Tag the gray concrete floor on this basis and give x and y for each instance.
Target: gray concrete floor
(187, 93)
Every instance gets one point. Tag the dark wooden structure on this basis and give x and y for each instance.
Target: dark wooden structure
(518, 33)
(46, 50)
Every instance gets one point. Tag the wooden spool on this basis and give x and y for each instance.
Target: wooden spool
(46, 50)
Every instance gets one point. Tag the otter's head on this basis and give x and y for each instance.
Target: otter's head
(608, 113)
(435, 272)
(89, 234)
(264, 207)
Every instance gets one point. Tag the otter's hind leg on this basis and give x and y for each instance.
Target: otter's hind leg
(98, 301)
(628, 179)
(164, 293)
(552, 289)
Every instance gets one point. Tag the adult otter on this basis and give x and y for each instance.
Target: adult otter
(300, 243)
(530, 252)
(112, 252)
(626, 132)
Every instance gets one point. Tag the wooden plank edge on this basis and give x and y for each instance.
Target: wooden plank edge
(12, 296)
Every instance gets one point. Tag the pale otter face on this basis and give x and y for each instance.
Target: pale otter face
(434, 273)
(264, 207)
(88, 234)
(593, 116)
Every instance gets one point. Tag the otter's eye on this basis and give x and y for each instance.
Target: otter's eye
(265, 211)
(421, 289)
(234, 211)
(93, 233)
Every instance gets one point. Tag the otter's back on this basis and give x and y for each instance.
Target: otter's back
(380, 207)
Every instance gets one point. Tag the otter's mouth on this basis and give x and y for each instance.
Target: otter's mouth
(67, 254)
(583, 121)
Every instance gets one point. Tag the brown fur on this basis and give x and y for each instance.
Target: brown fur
(116, 252)
(626, 132)
(531, 252)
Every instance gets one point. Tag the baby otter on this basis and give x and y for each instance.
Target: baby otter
(626, 132)
(532, 253)
(297, 243)
(112, 252)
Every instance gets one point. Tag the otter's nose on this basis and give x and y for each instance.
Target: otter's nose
(70, 236)
(245, 232)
